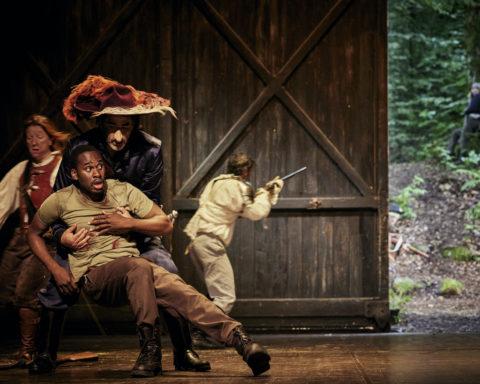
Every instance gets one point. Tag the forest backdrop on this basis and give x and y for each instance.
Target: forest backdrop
(434, 55)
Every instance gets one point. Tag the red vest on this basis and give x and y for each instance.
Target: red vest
(37, 187)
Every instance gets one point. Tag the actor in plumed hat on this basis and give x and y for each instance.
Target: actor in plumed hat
(131, 155)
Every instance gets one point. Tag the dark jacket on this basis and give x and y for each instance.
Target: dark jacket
(474, 105)
(140, 163)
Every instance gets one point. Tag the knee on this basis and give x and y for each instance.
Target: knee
(162, 259)
(170, 266)
(226, 302)
(228, 307)
(230, 300)
(139, 268)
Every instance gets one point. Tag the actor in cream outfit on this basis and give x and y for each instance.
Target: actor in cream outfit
(224, 199)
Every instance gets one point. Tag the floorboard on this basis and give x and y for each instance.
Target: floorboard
(357, 358)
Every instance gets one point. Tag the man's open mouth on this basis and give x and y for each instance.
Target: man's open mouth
(98, 184)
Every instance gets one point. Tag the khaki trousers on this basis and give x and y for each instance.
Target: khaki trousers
(210, 258)
(145, 285)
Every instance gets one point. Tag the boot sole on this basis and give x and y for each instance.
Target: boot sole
(259, 362)
(144, 374)
(199, 368)
(41, 372)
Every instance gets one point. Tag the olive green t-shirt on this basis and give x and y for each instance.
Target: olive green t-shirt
(73, 207)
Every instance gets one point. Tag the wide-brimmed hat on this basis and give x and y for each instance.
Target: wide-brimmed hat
(98, 96)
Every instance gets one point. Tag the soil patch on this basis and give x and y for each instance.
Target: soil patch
(439, 223)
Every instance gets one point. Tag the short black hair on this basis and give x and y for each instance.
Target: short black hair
(77, 151)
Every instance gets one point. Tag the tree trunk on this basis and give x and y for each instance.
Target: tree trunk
(473, 40)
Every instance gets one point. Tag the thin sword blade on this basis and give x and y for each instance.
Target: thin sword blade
(293, 173)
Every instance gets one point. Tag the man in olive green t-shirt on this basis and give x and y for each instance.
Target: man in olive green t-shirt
(109, 270)
(70, 205)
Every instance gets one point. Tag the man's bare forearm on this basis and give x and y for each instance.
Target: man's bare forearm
(154, 226)
(155, 223)
(39, 249)
(38, 246)
(63, 278)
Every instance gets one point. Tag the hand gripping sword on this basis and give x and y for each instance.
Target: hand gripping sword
(287, 177)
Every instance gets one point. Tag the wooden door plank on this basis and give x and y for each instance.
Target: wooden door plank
(233, 39)
(312, 40)
(88, 58)
(336, 156)
(234, 132)
(300, 203)
(80, 67)
(295, 307)
(274, 87)
(40, 74)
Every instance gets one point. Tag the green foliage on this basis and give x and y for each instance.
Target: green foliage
(450, 287)
(404, 285)
(400, 293)
(428, 75)
(441, 156)
(460, 253)
(472, 218)
(405, 198)
(398, 302)
(470, 166)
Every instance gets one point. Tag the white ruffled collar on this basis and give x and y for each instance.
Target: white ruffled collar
(47, 160)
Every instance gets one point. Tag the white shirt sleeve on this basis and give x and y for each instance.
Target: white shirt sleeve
(257, 207)
(10, 191)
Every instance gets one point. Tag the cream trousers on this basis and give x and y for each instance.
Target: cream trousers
(210, 258)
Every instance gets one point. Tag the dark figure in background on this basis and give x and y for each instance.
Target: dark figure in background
(462, 137)
(130, 155)
(112, 272)
(23, 190)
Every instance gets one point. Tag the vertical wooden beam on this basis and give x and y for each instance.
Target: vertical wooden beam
(381, 144)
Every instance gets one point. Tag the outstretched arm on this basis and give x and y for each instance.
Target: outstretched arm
(256, 208)
(64, 279)
(259, 207)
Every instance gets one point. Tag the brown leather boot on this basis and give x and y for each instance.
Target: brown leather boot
(253, 353)
(29, 320)
(48, 340)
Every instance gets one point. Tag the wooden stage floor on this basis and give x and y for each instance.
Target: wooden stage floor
(307, 358)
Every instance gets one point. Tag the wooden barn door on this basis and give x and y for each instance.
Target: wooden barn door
(291, 83)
